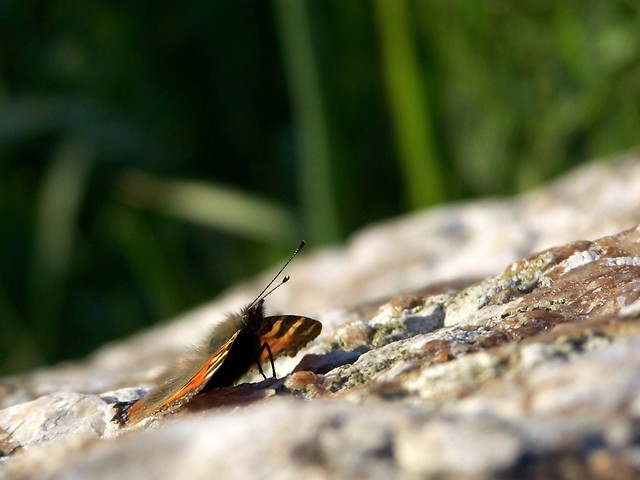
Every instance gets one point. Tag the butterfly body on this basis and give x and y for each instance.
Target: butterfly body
(244, 352)
(234, 345)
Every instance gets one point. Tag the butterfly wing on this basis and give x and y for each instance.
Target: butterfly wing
(179, 388)
(287, 334)
(202, 376)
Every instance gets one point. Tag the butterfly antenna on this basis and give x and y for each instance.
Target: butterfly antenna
(284, 280)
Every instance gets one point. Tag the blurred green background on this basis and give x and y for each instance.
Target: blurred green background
(154, 153)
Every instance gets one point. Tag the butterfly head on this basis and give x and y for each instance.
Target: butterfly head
(253, 315)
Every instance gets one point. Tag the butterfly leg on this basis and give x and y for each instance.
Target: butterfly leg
(256, 358)
(265, 346)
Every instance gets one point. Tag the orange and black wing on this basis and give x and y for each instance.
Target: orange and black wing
(287, 334)
(176, 389)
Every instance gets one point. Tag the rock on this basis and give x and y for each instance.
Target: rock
(56, 415)
(530, 373)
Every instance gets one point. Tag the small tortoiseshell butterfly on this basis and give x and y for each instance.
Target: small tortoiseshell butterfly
(237, 342)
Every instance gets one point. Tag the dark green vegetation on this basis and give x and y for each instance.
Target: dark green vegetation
(153, 153)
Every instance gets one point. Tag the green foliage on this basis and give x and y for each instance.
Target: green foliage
(151, 154)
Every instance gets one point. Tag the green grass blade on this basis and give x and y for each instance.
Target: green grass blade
(60, 202)
(408, 100)
(318, 197)
(217, 206)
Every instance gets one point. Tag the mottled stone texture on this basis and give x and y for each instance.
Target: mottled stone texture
(530, 373)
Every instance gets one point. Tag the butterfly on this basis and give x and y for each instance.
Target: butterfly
(236, 343)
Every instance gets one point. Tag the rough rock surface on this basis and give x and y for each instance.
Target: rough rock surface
(422, 370)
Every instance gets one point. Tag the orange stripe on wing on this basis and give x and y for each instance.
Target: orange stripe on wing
(144, 407)
(200, 379)
(287, 334)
